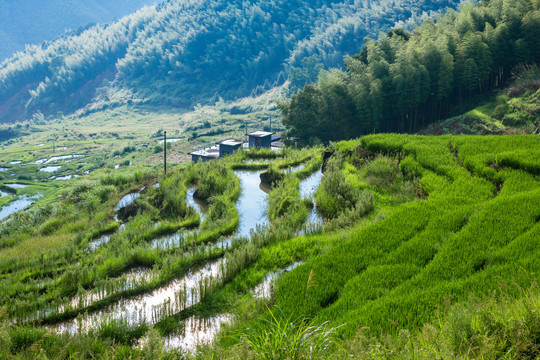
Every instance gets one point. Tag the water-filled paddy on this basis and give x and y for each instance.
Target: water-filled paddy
(252, 206)
(151, 307)
(21, 203)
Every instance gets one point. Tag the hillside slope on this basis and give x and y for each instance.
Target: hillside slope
(31, 21)
(515, 109)
(405, 81)
(184, 52)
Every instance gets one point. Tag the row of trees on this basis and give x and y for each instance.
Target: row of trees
(183, 52)
(404, 81)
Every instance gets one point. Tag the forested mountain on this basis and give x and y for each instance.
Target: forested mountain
(183, 52)
(33, 21)
(405, 81)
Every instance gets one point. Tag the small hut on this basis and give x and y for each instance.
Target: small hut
(229, 146)
(260, 139)
(206, 154)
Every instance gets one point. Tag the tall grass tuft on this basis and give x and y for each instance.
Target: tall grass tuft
(119, 331)
(336, 196)
(282, 337)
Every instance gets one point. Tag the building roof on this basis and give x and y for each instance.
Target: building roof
(231, 142)
(260, 134)
(207, 152)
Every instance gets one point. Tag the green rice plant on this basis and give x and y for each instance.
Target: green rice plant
(286, 205)
(496, 325)
(336, 195)
(25, 336)
(381, 171)
(391, 269)
(213, 178)
(238, 260)
(280, 337)
(52, 225)
(166, 228)
(273, 175)
(111, 227)
(122, 180)
(153, 346)
(173, 194)
(252, 166)
(118, 331)
(262, 153)
(312, 166)
(5, 338)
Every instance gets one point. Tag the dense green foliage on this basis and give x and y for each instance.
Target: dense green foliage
(405, 81)
(186, 52)
(511, 110)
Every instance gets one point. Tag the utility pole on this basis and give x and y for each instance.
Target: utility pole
(270, 124)
(165, 151)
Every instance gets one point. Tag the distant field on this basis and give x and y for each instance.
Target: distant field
(124, 139)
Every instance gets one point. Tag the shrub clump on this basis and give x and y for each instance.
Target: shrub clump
(336, 195)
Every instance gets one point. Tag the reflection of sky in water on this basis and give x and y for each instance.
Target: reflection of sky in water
(264, 289)
(310, 184)
(20, 204)
(252, 205)
(196, 332)
(127, 200)
(168, 241)
(50, 169)
(17, 186)
(197, 205)
(67, 177)
(294, 169)
(97, 243)
(151, 307)
(64, 157)
(307, 190)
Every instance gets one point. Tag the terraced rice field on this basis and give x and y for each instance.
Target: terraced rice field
(381, 236)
